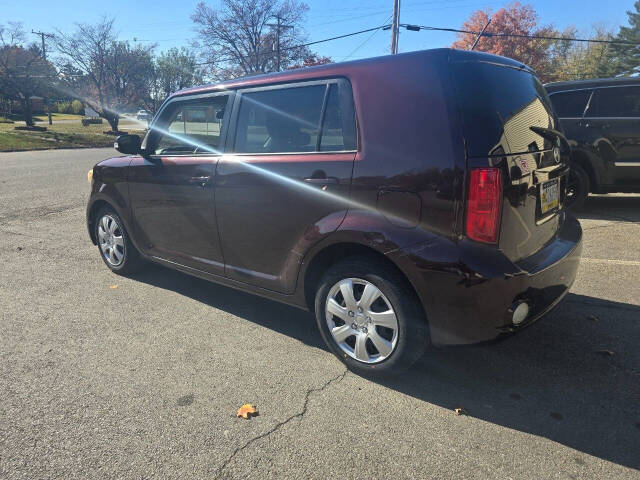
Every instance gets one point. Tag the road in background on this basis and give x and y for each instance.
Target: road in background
(104, 376)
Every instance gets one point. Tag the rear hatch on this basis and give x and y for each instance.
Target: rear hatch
(508, 122)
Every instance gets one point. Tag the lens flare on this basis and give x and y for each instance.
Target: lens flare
(347, 202)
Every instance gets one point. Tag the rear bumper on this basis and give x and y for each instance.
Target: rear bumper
(468, 289)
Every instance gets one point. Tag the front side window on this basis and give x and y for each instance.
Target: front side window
(570, 104)
(615, 102)
(191, 126)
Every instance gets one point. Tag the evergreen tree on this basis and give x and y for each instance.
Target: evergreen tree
(628, 57)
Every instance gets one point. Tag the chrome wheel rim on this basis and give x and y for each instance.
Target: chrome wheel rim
(111, 240)
(361, 320)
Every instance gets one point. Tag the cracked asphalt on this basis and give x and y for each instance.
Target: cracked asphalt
(109, 377)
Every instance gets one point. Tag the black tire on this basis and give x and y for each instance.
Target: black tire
(412, 332)
(130, 260)
(577, 188)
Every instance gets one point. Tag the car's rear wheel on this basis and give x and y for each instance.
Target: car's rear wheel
(116, 249)
(370, 317)
(578, 186)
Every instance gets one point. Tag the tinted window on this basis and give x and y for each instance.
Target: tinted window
(616, 102)
(280, 121)
(570, 104)
(333, 134)
(498, 105)
(191, 127)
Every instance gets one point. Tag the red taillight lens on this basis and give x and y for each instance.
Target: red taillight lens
(484, 204)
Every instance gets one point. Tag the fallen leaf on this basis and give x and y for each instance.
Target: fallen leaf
(608, 353)
(460, 411)
(592, 318)
(247, 411)
(113, 286)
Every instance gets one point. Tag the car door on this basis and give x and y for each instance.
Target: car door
(614, 117)
(171, 189)
(286, 182)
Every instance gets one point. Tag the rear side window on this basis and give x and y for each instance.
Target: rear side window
(294, 120)
(570, 104)
(615, 102)
(191, 127)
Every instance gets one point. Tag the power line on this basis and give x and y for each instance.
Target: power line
(228, 59)
(366, 40)
(516, 35)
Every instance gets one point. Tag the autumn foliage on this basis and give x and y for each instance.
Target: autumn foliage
(515, 19)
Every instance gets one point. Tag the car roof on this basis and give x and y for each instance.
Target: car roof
(592, 83)
(344, 68)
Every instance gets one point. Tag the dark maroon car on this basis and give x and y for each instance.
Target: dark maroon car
(405, 199)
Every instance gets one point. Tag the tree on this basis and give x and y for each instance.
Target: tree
(241, 37)
(113, 75)
(514, 19)
(627, 58)
(312, 60)
(175, 70)
(23, 71)
(585, 60)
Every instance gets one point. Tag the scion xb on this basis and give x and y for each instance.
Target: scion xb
(406, 200)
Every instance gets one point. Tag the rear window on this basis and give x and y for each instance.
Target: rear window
(570, 104)
(296, 120)
(615, 102)
(280, 121)
(498, 104)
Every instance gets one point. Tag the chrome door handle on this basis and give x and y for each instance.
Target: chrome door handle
(321, 181)
(202, 181)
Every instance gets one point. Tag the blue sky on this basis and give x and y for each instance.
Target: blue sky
(168, 23)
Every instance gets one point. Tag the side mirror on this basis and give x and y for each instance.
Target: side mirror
(128, 144)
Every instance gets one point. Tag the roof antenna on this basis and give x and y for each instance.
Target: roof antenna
(480, 35)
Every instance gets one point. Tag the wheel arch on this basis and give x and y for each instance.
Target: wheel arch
(329, 255)
(583, 159)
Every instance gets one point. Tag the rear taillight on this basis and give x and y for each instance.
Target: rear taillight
(484, 204)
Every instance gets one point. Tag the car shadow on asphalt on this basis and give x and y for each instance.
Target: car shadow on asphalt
(573, 377)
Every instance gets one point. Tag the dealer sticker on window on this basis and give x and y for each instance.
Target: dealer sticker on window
(549, 195)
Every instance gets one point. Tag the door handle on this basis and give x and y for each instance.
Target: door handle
(321, 181)
(202, 181)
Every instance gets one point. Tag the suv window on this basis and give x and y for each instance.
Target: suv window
(295, 119)
(570, 104)
(190, 127)
(616, 102)
(332, 135)
(280, 121)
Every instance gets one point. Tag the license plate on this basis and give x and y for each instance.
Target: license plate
(549, 195)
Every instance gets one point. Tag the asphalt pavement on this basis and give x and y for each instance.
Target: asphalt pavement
(109, 377)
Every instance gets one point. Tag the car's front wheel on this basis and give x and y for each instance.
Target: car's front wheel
(116, 249)
(370, 318)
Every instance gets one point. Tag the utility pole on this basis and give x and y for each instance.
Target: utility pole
(278, 26)
(44, 57)
(395, 27)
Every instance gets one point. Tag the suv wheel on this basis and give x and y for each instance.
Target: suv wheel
(370, 318)
(577, 187)
(116, 249)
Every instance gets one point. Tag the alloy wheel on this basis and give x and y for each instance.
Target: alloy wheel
(361, 320)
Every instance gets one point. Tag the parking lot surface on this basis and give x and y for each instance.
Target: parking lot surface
(103, 376)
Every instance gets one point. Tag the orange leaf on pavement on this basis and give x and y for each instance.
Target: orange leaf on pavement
(247, 411)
